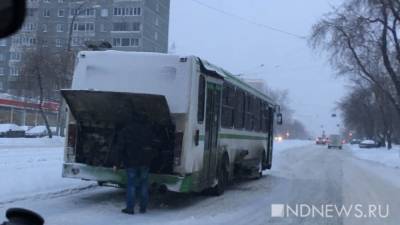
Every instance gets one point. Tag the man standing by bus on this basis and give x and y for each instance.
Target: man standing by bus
(135, 153)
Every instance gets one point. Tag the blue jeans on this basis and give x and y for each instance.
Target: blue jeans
(137, 182)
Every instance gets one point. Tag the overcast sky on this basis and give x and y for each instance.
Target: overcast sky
(241, 47)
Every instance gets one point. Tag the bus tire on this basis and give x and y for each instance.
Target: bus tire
(222, 176)
(264, 161)
(260, 167)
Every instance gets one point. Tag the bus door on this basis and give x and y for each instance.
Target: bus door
(270, 137)
(212, 121)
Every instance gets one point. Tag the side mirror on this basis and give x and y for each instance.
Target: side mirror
(279, 119)
(12, 16)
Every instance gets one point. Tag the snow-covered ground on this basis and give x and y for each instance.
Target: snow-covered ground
(383, 156)
(31, 166)
(280, 146)
(302, 173)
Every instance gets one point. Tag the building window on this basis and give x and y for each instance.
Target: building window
(44, 27)
(137, 11)
(83, 27)
(46, 1)
(76, 41)
(125, 42)
(60, 1)
(104, 12)
(127, 11)
(83, 12)
(58, 43)
(14, 71)
(3, 42)
(16, 56)
(60, 27)
(89, 12)
(61, 13)
(134, 41)
(136, 26)
(29, 27)
(124, 26)
(2, 58)
(1, 71)
(156, 35)
(120, 26)
(46, 12)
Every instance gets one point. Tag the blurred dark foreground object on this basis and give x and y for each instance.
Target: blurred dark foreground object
(12, 15)
(18, 216)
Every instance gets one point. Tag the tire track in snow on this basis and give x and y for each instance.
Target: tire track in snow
(50, 195)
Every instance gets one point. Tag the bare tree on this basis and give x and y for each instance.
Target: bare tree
(362, 40)
(42, 76)
(367, 113)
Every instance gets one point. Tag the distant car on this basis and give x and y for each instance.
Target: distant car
(11, 130)
(335, 141)
(38, 131)
(320, 141)
(355, 141)
(368, 144)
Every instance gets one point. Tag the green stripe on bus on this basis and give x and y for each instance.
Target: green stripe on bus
(237, 136)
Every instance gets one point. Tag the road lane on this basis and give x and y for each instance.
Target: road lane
(311, 175)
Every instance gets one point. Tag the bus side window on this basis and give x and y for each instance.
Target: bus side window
(201, 99)
(249, 120)
(228, 100)
(257, 115)
(239, 109)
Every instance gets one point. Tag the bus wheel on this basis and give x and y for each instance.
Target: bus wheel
(264, 162)
(260, 167)
(222, 177)
(260, 170)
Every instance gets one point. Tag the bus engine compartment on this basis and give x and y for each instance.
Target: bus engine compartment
(94, 134)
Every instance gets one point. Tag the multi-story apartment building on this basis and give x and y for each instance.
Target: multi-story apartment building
(128, 25)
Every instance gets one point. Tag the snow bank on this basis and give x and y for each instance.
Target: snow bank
(29, 167)
(40, 130)
(9, 126)
(383, 156)
(56, 141)
(280, 146)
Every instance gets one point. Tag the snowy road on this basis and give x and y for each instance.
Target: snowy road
(309, 175)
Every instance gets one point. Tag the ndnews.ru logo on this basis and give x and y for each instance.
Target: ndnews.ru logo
(330, 211)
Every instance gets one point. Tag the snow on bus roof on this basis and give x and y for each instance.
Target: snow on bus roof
(226, 75)
(234, 79)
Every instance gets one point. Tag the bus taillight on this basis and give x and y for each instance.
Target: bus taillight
(71, 135)
(69, 153)
(178, 148)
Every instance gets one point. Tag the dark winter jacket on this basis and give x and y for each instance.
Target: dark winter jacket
(134, 144)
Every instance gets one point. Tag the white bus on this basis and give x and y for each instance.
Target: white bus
(210, 126)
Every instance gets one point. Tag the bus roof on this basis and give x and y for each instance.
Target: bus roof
(226, 75)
